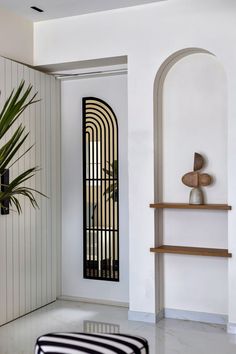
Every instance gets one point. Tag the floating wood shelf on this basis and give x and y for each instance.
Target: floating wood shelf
(190, 206)
(196, 251)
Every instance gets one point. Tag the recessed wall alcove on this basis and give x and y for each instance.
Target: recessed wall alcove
(94, 100)
(190, 115)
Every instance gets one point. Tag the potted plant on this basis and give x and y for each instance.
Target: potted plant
(14, 106)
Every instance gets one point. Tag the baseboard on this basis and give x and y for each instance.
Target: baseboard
(145, 316)
(93, 301)
(231, 328)
(196, 316)
(164, 313)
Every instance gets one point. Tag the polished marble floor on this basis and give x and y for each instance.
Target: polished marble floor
(167, 337)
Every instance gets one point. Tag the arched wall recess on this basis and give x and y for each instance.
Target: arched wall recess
(101, 190)
(158, 109)
(168, 229)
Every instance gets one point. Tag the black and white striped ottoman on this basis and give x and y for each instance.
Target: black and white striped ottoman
(93, 343)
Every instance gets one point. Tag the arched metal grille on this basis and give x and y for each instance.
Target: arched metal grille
(101, 191)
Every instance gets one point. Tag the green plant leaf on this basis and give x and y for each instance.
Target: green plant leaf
(18, 101)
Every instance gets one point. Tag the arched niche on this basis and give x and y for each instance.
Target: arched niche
(190, 114)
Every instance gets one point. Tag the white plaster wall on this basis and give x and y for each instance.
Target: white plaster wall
(195, 119)
(148, 35)
(113, 90)
(16, 37)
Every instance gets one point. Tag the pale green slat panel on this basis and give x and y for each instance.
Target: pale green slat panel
(48, 167)
(39, 187)
(9, 230)
(15, 224)
(3, 234)
(43, 189)
(32, 184)
(39, 301)
(21, 222)
(29, 243)
(57, 186)
(27, 207)
(54, 177)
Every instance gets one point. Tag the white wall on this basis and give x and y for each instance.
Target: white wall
(28, 243)
(16, 37)
(194, 120)
(148, 35)
(113, 90)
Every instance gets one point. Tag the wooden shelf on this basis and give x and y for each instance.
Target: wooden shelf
(190, 206)
(196, 251)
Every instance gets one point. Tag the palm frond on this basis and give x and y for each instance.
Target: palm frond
(14, 106)
(112, 189)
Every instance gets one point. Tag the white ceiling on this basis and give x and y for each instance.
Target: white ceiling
(64, 8)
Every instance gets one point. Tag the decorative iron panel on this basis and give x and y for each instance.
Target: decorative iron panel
(101, 191)
(4, 183)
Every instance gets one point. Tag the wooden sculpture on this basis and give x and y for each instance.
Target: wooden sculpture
(196, 180)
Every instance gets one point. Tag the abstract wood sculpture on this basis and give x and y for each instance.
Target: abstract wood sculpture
(196, 180)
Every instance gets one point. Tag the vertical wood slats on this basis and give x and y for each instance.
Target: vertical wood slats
(29, 242)
(3, 236)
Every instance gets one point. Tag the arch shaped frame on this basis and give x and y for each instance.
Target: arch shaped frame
(101, 190)
(159, 80)
(158, 108)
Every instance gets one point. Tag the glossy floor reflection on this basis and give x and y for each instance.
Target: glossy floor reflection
(166, 337)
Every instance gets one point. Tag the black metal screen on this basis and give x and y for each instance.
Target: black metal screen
(101, 191)
(4, 183)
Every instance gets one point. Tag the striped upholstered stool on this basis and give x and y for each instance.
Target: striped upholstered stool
(75, 343)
